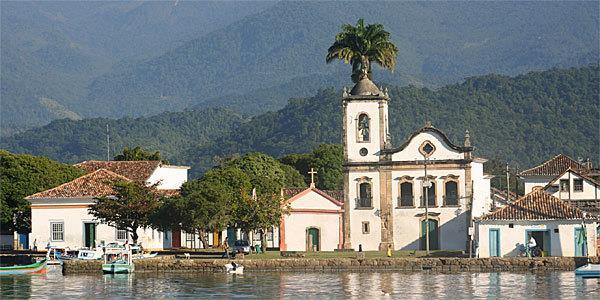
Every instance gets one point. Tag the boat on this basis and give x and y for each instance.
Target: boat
(56, 255)
(85, 254)
(233, 268)
(588, 271)
(118, 261)
(35, 268)
(144, 255)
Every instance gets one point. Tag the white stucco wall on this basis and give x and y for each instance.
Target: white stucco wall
(170, 177)
(353, 110)
(297, 224)
(442, 151)
(371, 240)
(530, 182)
(313, 200)
(561, 243)
(74, 219)
(590, 191)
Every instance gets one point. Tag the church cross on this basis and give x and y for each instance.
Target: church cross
(312, 177)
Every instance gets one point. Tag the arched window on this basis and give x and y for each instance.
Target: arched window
(406, 194)
(363, 128)
(451, 196)
(430, 195)
(364, 196)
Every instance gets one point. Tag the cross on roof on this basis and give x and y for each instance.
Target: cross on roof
(312, 177)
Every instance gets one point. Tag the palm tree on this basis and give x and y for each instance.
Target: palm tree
(362, 45)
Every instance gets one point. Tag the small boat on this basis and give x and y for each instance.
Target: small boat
(233, 268)
(144, 255)
(588, 271)
(90, 254)
(120, 266)
(35, 268)
(118, 261)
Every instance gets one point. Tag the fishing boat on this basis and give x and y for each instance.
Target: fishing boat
(117, 261)
(35, 268)
(588, 271)
(86, 254)
(233, 268)
(144, 255)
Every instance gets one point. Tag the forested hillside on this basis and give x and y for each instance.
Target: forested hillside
(115, 59)
(522, 120)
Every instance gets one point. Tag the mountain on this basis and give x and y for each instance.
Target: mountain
(52, 50)
(285, 45)
(522, 120)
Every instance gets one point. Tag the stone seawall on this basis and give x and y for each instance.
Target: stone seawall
(171, 264)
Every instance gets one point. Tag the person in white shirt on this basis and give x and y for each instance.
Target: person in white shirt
(531, 245)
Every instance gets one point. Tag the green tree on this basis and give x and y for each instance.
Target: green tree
(131, 208)
(22, 175)
(138, 153)
(326, 159)
(362, 45)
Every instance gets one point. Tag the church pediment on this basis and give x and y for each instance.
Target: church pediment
(428, 142)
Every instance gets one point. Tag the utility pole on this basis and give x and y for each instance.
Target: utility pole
(426, 185)
(507, 184)
(107, 144)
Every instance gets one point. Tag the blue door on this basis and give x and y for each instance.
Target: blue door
(24, 240)
(580, 242)
(494, 242)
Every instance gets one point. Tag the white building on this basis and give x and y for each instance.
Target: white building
(314, 222)
(576, 189)
(541, 175)
(383, 185)
(558, 228)
(59, 216)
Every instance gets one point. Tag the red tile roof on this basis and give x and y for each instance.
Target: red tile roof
(138, 171)
(537, 205)
(555, 166)
(96, 184)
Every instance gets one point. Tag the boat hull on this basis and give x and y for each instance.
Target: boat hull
(588, 271)
(36, 268)
(117, 268)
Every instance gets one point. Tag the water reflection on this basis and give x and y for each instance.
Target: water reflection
(271, 285)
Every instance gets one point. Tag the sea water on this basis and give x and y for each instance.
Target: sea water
(306, 285)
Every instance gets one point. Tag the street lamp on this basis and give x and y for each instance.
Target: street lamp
(426, 185)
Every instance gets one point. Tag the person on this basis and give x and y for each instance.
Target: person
(530, 246)
(226, 247)
(389, 250)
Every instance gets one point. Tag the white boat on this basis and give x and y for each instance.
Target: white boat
(588, 271)
(233, 268)
(144, 255)
(90, 254)
(118, 261)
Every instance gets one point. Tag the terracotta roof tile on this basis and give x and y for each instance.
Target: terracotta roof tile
(500, 196)
(96, 184)
(537, 205)
(138, 171)
(555, 166)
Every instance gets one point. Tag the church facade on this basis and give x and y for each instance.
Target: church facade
(385, 187)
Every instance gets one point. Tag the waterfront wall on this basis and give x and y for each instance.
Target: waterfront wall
(171, 264)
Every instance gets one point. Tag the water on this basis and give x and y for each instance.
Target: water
(268, 285)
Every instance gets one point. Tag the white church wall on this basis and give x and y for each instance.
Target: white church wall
(297, 225)
(371, 108)
(372, 239)
(442, 151)
(169, 177)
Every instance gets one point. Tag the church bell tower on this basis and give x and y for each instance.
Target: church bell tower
(365, 113)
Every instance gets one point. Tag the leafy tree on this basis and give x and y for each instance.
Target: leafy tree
(138, 153)
(260, 213)
(326, 159)
(131, 208)
(361, 45)
(22, 175)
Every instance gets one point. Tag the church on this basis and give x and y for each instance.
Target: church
(391, 195)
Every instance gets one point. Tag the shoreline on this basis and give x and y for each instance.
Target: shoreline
(172, 264)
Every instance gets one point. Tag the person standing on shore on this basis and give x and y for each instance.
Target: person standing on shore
(226, 247)
(389, 251)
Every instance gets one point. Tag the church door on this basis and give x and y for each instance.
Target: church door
(433, 235)
(312, 240)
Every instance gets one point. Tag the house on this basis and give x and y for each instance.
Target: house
(558, 228)
(541, 175)
(385, 187)
(577, 189)
(60, 217)
(314, 221)
(499, 198)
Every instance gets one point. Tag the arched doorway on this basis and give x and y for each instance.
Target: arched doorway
(433, 234)
(313, 239)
